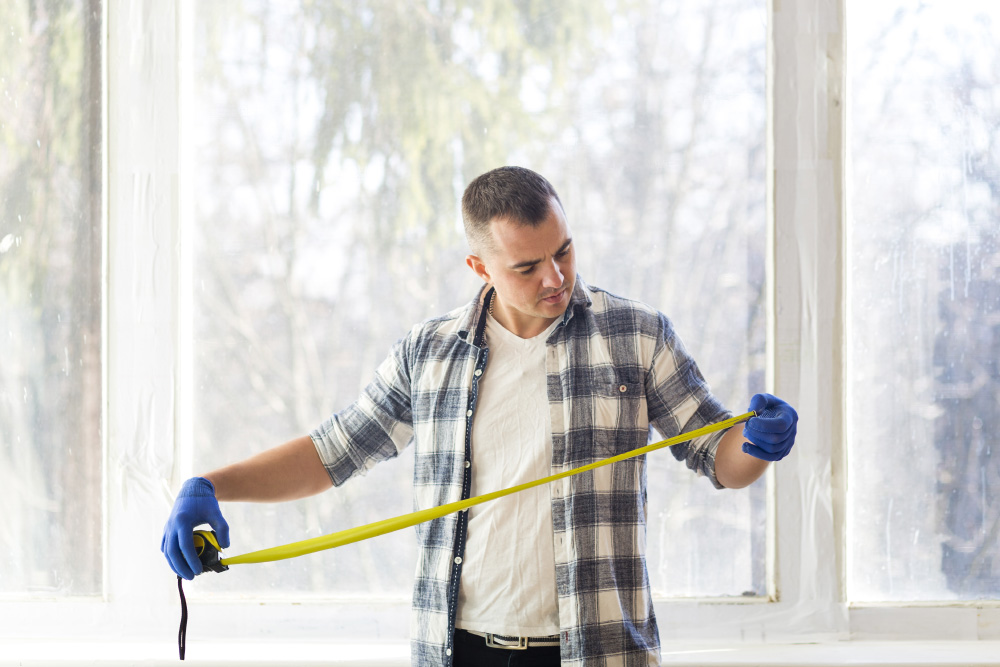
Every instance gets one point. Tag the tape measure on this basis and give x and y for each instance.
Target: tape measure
(207, 545)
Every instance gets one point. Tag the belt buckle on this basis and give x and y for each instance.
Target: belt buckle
(522, 643)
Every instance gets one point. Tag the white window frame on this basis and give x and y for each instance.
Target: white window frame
(148, 436)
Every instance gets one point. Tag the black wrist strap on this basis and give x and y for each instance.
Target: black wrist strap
(182, 633)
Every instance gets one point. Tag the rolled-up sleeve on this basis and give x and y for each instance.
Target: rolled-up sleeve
(680, 399)
(374, 428)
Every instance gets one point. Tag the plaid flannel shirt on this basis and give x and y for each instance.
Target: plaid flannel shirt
(614, 368)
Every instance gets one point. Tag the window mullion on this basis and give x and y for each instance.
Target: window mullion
(143, 285)
(807, 124)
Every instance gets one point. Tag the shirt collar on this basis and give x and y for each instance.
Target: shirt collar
(474, 318)
(580, 299)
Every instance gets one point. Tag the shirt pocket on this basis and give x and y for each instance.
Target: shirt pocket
(619, 418)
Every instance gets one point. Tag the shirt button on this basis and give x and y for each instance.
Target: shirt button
(479, 371)
(447, 652)
(468, 464)
(458, 560)
(622, 388)
(468, 413)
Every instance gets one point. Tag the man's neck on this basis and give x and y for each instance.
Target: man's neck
(522, 326)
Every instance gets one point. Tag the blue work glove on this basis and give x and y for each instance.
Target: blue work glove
(772, 432)
(195, 505)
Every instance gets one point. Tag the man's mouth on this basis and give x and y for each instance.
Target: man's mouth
(555, 298)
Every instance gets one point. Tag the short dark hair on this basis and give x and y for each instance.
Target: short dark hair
(508, 193)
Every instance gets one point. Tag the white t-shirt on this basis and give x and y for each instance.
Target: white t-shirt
(508, 583)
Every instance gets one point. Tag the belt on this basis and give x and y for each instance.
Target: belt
(514, 643)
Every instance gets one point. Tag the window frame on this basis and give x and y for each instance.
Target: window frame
(148, 435)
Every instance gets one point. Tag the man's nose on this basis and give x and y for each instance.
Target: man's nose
(553, 276)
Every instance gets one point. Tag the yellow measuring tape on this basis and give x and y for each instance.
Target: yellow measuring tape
(351, 535)
(208, 547)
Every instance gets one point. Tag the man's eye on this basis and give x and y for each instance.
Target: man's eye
(527, 270)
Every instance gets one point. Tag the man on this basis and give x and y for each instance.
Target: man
(540, 373)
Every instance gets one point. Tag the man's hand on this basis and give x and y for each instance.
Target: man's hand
(772, 432)
(195, 505)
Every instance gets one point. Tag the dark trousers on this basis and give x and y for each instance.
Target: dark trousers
(471, 651)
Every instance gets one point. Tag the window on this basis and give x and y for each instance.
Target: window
(272, 223)
(329, 148)
(924, 303)
(51, 257)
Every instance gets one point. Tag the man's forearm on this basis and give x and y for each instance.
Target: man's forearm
(734, 468)
(287, 472)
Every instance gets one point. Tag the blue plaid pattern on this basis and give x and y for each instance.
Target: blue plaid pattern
(614, 368)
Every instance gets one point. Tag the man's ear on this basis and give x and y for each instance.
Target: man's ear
(478, 267)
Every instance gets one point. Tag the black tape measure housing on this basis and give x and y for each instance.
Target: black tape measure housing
(207, 546)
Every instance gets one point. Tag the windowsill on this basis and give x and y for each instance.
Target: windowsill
(856, 654)
(217, 654)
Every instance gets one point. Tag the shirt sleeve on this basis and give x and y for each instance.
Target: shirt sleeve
(374, 428)
(679, 399)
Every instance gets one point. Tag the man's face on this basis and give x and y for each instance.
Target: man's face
(533, 270)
